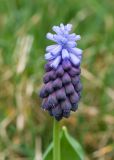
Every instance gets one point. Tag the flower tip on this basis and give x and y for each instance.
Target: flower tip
(65, 47)
(62, 26)
(49, 36)
(69, 27)
(78, 37)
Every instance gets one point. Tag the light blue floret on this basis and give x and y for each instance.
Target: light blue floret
(65, 47)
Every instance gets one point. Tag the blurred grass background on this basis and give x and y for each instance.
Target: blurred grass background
(25, 130)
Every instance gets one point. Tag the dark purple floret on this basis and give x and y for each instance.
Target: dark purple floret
(45, 104)
(49, 87)
(57, 111)
(69, 88)
(74, 98)
(60, 71)
(60, 94)
(66, 113)
(66, 78)
(78, 87)
(48, 67)
(46, 78)
(52, 75)
(66, 105)
(74, 71)
(74, 107)
(52, 100)
(75, 80)
(57, 84)
(43, 92)
(66, 65)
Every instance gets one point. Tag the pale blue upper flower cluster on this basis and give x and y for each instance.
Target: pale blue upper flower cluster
(66, 47)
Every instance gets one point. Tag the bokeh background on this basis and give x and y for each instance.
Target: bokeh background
(26, 130)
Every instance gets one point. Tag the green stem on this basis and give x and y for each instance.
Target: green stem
(56, 141)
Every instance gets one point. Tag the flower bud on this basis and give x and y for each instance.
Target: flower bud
(60, 94)
(45, 104)
(48, 67)
(66, 106)
(57, 84)
(74, 98)
(78, 87)
(43, 92)
(75, 80)
(74, 107)
(69, 88)
(57, 112)
(46, 78)
(52, 100)
(60, 71)
(49, 87)
(66, 78)
(52, 75)
(66, 65)
(74, 71)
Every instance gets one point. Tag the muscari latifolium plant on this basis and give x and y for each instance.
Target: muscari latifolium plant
(62, 87)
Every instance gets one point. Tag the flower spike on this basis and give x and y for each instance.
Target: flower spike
(62, 87)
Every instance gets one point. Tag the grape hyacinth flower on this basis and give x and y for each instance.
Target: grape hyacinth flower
(62, 87)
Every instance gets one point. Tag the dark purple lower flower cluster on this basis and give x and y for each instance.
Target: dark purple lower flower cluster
(62, 89)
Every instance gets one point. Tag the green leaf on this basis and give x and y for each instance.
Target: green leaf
(70, 148)
(48, 155)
